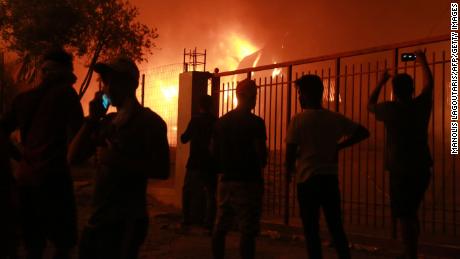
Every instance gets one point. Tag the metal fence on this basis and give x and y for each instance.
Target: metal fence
(159, 91)
(349, 78)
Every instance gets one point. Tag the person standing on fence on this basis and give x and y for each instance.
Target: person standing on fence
(408, 157)
(313, 140)
(47, 117)
(130, 146)
(201, 173)
(239, 147)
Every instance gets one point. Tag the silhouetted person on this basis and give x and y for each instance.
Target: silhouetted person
(313, 140)
(47, 118)
(130, 145)
(201, 173)
(408, 157)
(240, 151)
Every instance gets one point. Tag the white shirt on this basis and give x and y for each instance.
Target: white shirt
(317, 132)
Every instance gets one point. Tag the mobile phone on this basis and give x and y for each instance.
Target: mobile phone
(408, 56)
(105, 101)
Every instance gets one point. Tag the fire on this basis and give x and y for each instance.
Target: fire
(256, 61)
(243, 47)
(161, 93)
(170, 93)
(329, 91)
(235, 48)
(276, 72)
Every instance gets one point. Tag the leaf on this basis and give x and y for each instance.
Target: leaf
(92, 29)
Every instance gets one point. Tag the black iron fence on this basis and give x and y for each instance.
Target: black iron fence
(349, 78)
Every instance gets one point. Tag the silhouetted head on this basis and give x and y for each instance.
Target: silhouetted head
(206, 103)
(403, 87)
(246, 93)
(120, 78)
(57, 64)
(310, 89)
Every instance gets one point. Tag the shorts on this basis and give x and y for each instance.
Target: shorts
(241, 201)
(407, 188)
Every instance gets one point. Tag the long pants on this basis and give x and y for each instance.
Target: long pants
(115, 240)
(194, 183)
(322, 192)
(48, 212)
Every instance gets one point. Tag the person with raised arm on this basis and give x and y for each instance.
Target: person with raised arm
(407, 157)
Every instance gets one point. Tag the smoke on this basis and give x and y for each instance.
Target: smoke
(288, 29)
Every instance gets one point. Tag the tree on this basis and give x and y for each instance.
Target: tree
(7, 83)
(92, 29)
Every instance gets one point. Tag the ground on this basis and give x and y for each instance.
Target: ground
(166, 240)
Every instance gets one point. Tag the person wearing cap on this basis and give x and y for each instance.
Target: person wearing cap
(239, 147)
(130, 146)
(314, 138)
(47, 117)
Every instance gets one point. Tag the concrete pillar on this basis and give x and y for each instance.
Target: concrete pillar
(192, 85)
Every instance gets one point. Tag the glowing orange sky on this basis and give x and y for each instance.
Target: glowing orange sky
(305, 27)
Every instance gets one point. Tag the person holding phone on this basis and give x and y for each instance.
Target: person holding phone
(408, 157)
(130, 145)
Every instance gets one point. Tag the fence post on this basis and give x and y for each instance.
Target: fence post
(143, 89)
(337, 84)
(215, 91)
(288, 119)
(394, 223)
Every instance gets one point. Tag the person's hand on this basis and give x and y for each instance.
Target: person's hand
(96, 109)
(420, 55)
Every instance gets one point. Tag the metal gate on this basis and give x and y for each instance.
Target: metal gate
(349, 78)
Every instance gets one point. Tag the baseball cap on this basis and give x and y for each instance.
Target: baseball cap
(122, 65)
(246, 87)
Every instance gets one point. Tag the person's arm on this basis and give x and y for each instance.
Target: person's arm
(214, 147)
(161, 156)
(83, 145)
(292, 140)
(291, 156)
(359, 134)
(187, 135)
(260, 144)
(428, 83)
(372, 104)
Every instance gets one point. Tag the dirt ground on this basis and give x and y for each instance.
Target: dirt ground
(167, 241)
